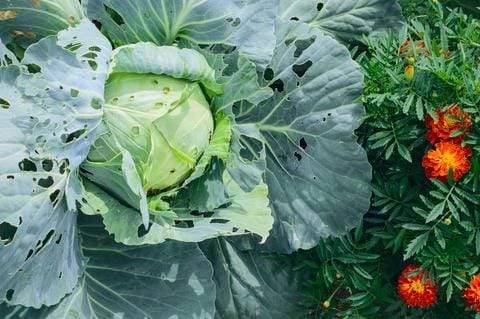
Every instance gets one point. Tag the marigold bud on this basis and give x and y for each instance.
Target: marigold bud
(326, 304)
(409, 72)
(447, 221)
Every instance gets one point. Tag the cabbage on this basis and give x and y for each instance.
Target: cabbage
(132, 130)
(165, 123)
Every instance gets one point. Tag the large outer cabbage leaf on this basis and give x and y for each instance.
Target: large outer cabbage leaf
(48, 119)
(246, 24)
(344, 19)
(251, 285)
(318, 176)
(27, 21)
(172, 280)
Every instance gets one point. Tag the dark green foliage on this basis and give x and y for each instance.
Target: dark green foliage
(412, 219)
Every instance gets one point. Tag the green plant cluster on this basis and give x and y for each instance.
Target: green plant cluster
(412, 219)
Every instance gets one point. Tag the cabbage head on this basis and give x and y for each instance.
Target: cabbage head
(165, 123)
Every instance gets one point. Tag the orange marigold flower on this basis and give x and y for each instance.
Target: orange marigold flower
(406, 49)
(472, 293)
(450, 120)
(415, 287)
(446, 156)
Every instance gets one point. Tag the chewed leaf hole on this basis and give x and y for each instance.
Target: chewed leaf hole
(72, 47)
(27, 165)
(67, 138)
(297, 156)
(219, 221)
(166, 90)
(96, 103)
(236, 22)
(278, 85)
(4, 104)
(294, 19)
(30, 254)
(141, 231)
(45, 241)
(303, 143)
(95, 49)
(74, 92)
(45, 182)
(9, 294)
(184, 224)
(47, 165)
(33, 68)
(59, 239)
(302, 45)
(320, 6)
(7, 232)
(268, 75)
(136, 130)
(116, 17)
(301, 69)
(54, 197)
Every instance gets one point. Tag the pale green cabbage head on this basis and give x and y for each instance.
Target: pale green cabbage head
(165, 123)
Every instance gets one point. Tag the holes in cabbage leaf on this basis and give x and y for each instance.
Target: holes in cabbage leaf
(7, 232)
(74, 92)
(268, 75)
(59, 239)
(297, 156)
(234, 22)
(4, 104)
(116, 17)
(319, 6)
(303, 143)
(301, 69)
(9, 294)
(72, 47)
(27, 165)
(10, 177)
(278, 86)
(184, 224)
(219, 221)
(98, 24)
(302, 45)
(96, 103)
(294, 19)
(67, 138)
(95, 49)
(41, 244)
(54, 197)
(45, 182)
(141, 231)
(203, 214)
(33, 68)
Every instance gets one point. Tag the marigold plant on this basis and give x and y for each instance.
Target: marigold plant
(416, 288)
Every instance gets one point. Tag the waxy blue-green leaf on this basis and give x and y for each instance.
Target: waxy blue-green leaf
(317, 174)
(48, 121)
(172, 280)
(28, 21)
(252, 285)
(346, 20)
(247, 25)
